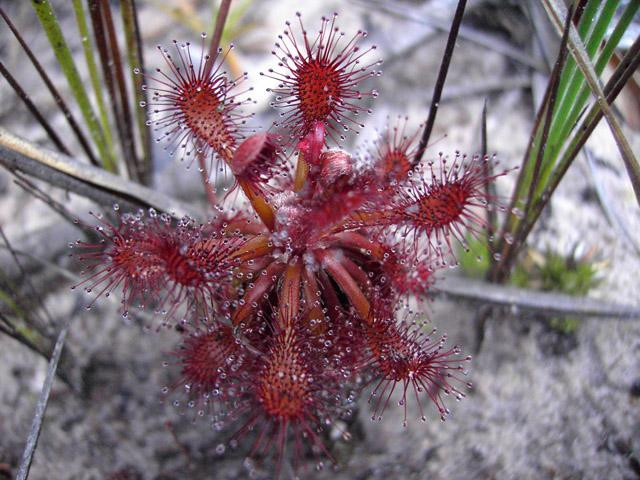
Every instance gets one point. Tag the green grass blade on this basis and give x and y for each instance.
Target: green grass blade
(614, 39)
(50, 24)
(555, 12)
(571, 101)
(592, 41)
(62, 105)
(586, 21)
(532, 164)
(602, 60)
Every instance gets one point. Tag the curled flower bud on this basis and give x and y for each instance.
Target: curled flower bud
(312, 143)
(336, 169)
(255, 151)
(257, 160)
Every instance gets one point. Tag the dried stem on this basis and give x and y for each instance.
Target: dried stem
(43, 400)
(473, 35)
(103, 51)
(547, 303)
(86, 180)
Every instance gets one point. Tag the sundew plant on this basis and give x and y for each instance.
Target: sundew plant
(291, 304)
(301, 297)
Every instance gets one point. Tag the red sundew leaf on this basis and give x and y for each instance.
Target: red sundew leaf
(235, 223)
(403, 354)
(416, 278)
(292, 396)
(348, 352)
(326, 213)
(406, 273)
(394, 151)
(255, 247)
(157, 261)
(255, 293)
(289, 298)
(331, 261)
(284, 319)
(197, 112)
(314, 317)
(320, 82)
(446, 204)
(385, 268)
(212, 362)
(302, 221)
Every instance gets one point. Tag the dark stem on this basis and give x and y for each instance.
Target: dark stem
(442, 77)
(52, 89)
(128, 142)
(489, 189)
(33, 109)
(538, 302)
(501, 270)
(221, 19)
(101, 43)
(136, 58)
(579, 9)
